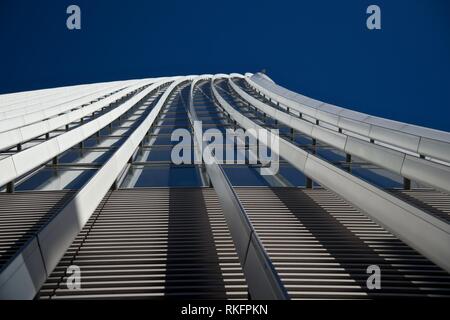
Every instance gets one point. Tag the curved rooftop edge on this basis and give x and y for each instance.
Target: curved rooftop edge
(422, 140)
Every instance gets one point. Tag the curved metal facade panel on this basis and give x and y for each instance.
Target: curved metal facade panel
(394, 214)
(399, 134)
(433, 173)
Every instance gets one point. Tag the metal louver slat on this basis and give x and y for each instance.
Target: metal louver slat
(22, 214)
(321, 247)
(434, 202)
(150, 243)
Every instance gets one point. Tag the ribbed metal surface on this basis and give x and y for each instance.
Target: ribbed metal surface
(153, 243)
(434, 202)
(22, 214)
(321, 247)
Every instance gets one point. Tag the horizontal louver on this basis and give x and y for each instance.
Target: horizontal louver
(22, 214)
(150, 243)
(321, 247)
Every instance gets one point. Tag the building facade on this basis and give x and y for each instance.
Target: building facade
(216, 186)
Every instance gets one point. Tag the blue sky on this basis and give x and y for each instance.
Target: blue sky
(319, 48)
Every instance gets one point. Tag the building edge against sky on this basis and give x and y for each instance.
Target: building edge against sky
(82, 153)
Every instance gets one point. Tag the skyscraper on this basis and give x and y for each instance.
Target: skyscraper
(216, 186)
